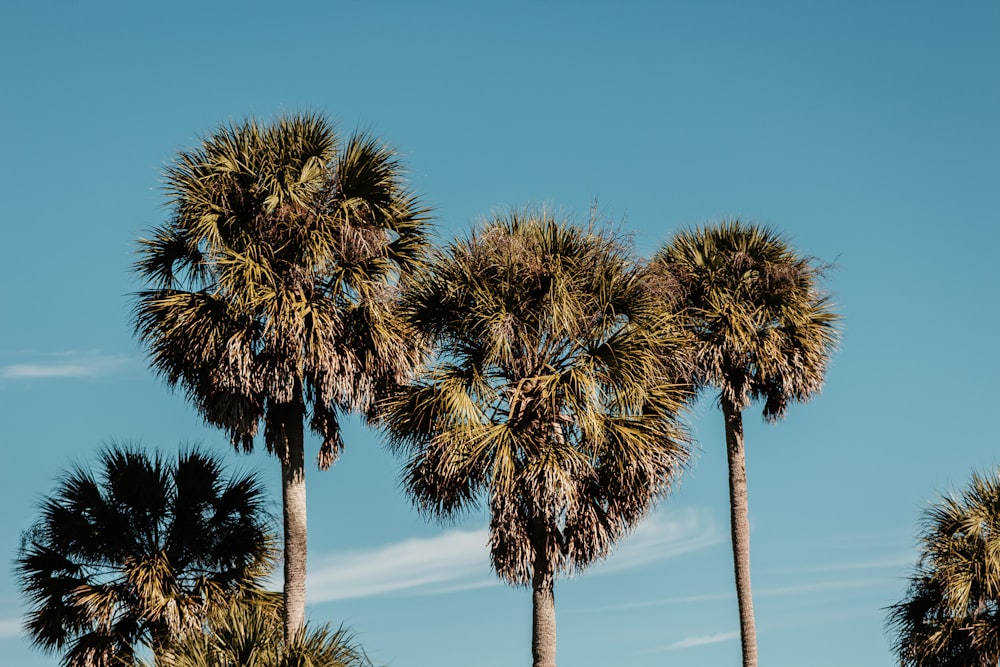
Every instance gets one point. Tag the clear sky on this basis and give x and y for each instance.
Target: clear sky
(868, 132)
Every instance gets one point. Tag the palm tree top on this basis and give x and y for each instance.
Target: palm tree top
(763, 327)
(548, 393)
(141, 547)
(272, 280)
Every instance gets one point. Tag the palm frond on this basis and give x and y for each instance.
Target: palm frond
(248, 633)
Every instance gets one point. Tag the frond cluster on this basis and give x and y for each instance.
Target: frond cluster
(549, 393)
(951, 614)
(143, 550)
(273, 280)
(762, 327)
(251, 635)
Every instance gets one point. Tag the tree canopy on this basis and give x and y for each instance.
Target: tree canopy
(271, 281)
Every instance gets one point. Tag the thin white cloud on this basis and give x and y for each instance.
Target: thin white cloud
(452, 561)
(761, 592)
(664, 534)
(894, 562)
(703, 640)
(693, 641)
(10, 627)
(659, 602)
(459, 560)
(65, 365)
(836, 585)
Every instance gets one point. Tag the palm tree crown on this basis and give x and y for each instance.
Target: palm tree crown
(762, 327)
(271, 281)
(141, 550)
(548, 393)
(951, 613)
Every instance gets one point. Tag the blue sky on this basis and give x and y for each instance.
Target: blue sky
(866, 131)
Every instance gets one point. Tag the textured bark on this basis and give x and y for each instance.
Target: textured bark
(740, 529)
(543, 616)
(293, 495)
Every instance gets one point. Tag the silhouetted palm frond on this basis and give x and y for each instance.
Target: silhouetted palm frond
(142, 548)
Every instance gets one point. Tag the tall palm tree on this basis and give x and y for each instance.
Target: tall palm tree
(762, 329)
(139, 551)
(951, 613)
(548, 395)
(251, 635)
(270, 292)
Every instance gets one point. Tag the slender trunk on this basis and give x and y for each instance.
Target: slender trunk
(543, 610)
(739, 516)
(293, 496)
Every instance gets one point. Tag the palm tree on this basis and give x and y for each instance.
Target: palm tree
(251, 635)
(140, 551)
(548, 395)
(270, 293)
(762, 329)
(951, 613)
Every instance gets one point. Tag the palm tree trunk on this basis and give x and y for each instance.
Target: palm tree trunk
(543, 616)
(740, 529)
(293, 496)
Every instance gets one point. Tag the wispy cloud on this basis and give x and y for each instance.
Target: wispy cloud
(73, 364)
(664, 534)
(452, 561)
(761, 592)
(459, 559)
(693, 641)
(822, 586)
(702, 640)
(659, 602)
(894, 562)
